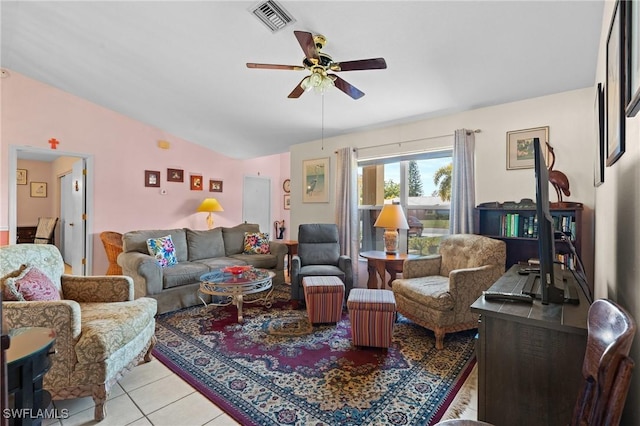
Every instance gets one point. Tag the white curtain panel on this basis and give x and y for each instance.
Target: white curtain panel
(463, 183)
(347, 204)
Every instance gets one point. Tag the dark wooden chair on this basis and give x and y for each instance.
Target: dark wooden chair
(607, 367)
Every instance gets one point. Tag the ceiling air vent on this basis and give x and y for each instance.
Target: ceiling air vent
(272, 15)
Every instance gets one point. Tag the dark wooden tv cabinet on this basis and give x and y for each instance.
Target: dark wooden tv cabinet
(529, 357)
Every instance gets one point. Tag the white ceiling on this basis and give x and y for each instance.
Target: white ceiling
(180, 66)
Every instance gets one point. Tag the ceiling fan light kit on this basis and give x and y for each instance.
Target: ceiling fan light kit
(319, 63)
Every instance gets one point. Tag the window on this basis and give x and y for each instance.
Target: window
(409, 181)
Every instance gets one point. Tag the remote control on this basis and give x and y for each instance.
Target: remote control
(506, 296)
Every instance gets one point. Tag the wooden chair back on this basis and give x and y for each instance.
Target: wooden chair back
(45, 230)
(607, 367)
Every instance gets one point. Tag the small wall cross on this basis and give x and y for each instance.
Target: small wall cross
(54, 143)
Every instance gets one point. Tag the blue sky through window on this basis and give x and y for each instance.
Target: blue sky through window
(427, 170)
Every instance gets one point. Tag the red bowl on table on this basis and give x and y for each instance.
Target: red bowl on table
(237, 270)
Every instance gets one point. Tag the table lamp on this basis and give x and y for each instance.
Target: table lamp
(391, 218)
(210, 205)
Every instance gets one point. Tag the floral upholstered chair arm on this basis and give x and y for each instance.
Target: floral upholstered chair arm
(61, 315)
(422, 267)
(99, 288)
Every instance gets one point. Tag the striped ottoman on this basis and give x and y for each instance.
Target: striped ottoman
(324, 296)
(372, 314)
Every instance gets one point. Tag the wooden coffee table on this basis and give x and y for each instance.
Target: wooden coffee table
(232, 288)
(379, 262)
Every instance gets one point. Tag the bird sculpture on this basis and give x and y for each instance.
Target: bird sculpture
(559, 180)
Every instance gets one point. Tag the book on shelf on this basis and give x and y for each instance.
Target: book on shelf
(526, 226)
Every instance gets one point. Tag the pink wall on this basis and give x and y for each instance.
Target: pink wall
(122, 149)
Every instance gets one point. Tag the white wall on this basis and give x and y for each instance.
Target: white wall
(617, 254)
(569, 116)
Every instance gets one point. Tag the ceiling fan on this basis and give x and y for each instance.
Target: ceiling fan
(319, 63)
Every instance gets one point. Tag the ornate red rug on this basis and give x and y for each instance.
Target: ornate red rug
(276, 369)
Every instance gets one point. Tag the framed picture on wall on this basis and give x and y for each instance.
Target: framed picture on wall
(196, 182)
(39, 189)
(287, 201)
(21, 176)
(614, 85)
(314, 176)
(175, 175)
(520, 147)
(152, 178)
(633, 57)
(598, 162)
(215, 185)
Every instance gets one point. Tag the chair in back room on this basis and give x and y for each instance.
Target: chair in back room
(45, 230)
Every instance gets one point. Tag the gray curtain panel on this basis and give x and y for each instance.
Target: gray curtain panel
(347, 204)
(463, 183)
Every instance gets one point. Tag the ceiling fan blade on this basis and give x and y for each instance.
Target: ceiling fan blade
(298, 91)
(275, 67)
(308, 45)
(347, 87)
(362, 64)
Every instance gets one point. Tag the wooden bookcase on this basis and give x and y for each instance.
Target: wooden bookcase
(516, 225)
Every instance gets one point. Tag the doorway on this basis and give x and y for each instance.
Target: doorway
(82, 244)
(256, 202)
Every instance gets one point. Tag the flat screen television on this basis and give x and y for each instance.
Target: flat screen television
(552, 286)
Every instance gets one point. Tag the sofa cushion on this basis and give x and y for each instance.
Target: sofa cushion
(107, 327)
(256, 243)
(234, 237)
(431, 292)
(182, 274)
(205, 244)
(137, 241)
(266, 261)
(163, 250)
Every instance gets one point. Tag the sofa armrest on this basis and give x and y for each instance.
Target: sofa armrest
(146, 273)
(98, 288)
(280, 251)
(346, 266)
(422, 267)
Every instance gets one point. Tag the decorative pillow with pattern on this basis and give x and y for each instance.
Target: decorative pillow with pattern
(31, 285)
(256, 243)
(163, 250)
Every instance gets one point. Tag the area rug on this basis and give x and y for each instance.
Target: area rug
(277, 369)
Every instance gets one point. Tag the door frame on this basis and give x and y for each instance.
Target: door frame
(14, 152)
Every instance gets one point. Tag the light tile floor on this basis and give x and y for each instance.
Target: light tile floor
(151, 394)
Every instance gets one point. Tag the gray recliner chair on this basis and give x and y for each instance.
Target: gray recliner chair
(319, 255)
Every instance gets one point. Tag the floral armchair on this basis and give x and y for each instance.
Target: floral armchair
(437, 291)
(101, 331)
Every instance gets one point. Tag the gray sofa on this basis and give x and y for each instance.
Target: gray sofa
(197, 252)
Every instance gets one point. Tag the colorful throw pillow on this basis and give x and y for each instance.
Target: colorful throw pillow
(163, 250)
(256, 243)
(31, 285)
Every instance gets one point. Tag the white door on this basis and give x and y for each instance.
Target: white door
(66, 203)
(78, 215)
(256, 203)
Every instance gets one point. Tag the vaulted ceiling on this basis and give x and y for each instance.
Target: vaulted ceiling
(180, 66)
